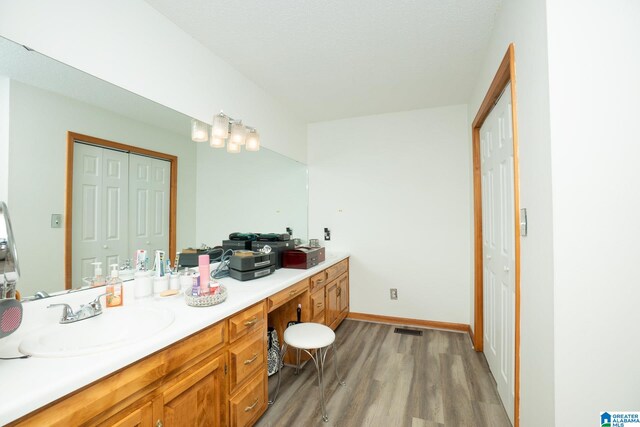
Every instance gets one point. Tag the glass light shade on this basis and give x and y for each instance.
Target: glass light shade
(220, 128)
(199, 131)
(253, 141)
(233, 147)
(216, 142)
(238, 133)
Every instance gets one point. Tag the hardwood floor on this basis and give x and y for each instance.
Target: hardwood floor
(392, 380)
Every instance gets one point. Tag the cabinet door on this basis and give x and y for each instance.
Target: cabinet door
(343, 294)
(331, 303)
(198, 399)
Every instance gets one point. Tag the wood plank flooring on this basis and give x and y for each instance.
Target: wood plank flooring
(392, 380)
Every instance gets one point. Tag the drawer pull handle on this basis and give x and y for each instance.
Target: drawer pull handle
(319, 281)
(293, 292)
(319, 304)
(159, 423)
(339, 292)
(250, 361)
(251, 322)
(250, 408)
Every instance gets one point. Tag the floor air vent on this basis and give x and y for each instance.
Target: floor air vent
(406, 331)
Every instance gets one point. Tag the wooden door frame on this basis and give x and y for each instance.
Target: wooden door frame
(72, 137)
(506, 74)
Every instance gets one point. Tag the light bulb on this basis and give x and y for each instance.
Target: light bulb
(253, 141)
(238, 133)
(216, 142)
(220, 128)
(199, 131)
(233, 147)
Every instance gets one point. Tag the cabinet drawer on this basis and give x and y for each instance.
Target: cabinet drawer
(317, 304)
(250, 402)
(318, 281)
(246, 357)
(336, 270)
(287, 294)
(247, 321)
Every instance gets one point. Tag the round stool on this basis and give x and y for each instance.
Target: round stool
(308, 337)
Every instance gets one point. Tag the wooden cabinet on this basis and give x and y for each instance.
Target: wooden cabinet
(196, 398)
(337, 301)
(215, 377)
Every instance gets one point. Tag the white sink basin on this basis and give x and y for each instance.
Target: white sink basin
(113, 328)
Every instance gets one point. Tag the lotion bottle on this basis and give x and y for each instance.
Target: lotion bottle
(115, 297)
(98, 280)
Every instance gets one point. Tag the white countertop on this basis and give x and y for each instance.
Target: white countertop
(32, 383)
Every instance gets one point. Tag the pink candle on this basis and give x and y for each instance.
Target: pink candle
(203, 267)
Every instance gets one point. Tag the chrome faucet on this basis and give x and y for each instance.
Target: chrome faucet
(86, 311)
(9, 271)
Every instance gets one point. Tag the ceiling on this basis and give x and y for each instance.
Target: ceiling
(334, 59)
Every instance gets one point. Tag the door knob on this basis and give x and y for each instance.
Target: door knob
(506, 268)
(488, 256)
(148, 242)
(105, 247)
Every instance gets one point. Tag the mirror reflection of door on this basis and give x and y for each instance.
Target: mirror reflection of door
(120, 203)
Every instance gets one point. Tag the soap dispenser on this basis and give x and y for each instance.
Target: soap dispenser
(98, 280)
(115, 297)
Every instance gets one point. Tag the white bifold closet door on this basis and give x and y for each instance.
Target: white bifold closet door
(100, 209)
(498, 243)
(149, 204)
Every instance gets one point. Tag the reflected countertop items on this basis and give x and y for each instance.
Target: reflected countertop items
(57, 377)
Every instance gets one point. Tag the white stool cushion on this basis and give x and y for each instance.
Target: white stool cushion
(309, 335)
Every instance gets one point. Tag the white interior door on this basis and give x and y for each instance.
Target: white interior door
(100, 205)
(149, 193)
(498, 234)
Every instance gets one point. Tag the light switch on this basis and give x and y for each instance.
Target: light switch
(56, 220)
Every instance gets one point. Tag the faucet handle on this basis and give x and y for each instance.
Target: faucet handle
(67, 311)
(95, 304)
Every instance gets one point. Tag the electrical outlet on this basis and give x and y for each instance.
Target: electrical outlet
(394, 293)
(327, 234)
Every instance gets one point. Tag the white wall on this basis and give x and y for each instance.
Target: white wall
(4, 138)
(394, 190)
(130, 44)
(524, 23)
(262, 192)
(595, 85)
(38, 132)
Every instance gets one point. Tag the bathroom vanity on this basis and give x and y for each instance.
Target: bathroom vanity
(207, 368)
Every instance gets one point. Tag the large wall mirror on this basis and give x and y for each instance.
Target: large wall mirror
(42, 100)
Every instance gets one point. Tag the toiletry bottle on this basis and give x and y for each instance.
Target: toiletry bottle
(115, 296)
(204, 270)
(98, 280)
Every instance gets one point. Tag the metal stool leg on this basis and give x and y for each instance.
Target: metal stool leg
(318, 361)
(281, 355)
(297, 371)
(335, 354)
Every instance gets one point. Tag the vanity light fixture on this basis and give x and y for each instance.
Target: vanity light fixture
(220, 128)
(226, 130)
(253, 140)
(238, 133)
(233, 147)
(199, 131)
(215, 142)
